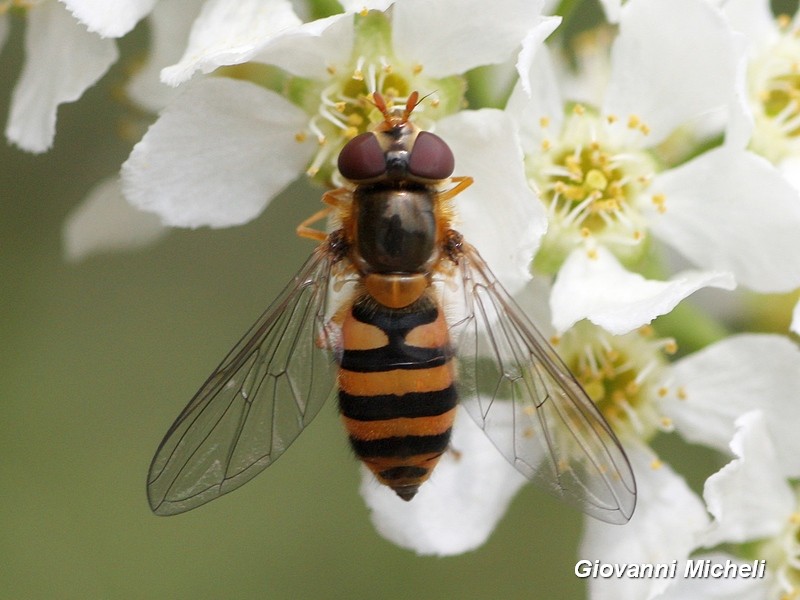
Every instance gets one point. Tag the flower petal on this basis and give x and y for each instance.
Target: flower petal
(309, 50)
(600, 289)
(739, 514)
(353, 6)
(217, 155)
(668, 517)
(170, 23)
(752, 18)
(543, 103)
(230, 33)
(62, 60)
(738, 374)
(499, 214)
(442, 36)
(717, 588)
(657, 72)
(739, 128)
(732, 210)
(459, 507)
(612, 9)
(532, 45)
(106, 222)
(795, 325)
(109, 18)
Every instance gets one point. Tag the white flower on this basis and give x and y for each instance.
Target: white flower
(600, 176)
(766, 112)
(700, 397)
(738, 374)
(224, 147)
(170, 23)
(665, 526)
(459, 507)
(751, 500)
(109, 18)
(63, 59)
(590, 287)
(105, 221)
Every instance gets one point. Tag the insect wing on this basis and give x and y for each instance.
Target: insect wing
(254, 404)
(523, 396)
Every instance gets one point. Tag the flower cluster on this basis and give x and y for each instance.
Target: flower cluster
(617, 172)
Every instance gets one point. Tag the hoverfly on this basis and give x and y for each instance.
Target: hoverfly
(375, 294)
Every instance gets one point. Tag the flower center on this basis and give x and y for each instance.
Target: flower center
(774, 91)
(623, 376)
(342, 107)
(591, 188)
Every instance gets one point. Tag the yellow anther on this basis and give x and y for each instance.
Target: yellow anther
(579, 110)
(656, 464)
(331, 70)
(544, 122)
(358, 75)
(592, 254)
(554, 340)
(355, 119)
(662, 392)
(596, 180)
(634, 122)
(416, 69)
(585, 232)
(671, 347)
(681, 393)
(659, 200)
(618, 396)
(595, 390)
(666, 422)
(300, 136)
(612, 119)
(341, 106)
(546, 145)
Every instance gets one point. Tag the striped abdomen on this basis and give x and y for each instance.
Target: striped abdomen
(396, 389)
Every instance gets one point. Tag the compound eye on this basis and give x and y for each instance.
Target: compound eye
(431, 157)
(362, 158)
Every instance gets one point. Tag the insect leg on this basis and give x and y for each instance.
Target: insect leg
(335, 199)
(462, 183)
(305, 230)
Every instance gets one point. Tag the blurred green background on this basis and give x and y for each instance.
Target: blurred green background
(99, 357)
